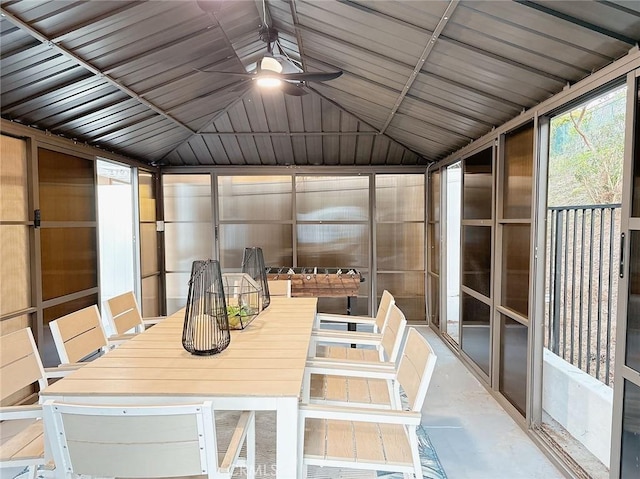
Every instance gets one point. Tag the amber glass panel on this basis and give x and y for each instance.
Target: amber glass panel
(476, 331)
(434, 196)
(274, 239)
(476, 258)
(59, 310)
(333, 245)
(147, 196)
(254, 197)
(400, 246)
(518, 173)
(13, 180)
(629, 461)
(69, 261)
(400, 197)
(332, 198)
(67, 187)
(187, 198)
(434, 244)
(515, 267)
(408, 290)
(15, 276)
(150, 298)
(635, 207)
(434, 300)
(513, 362)
(148, 248)
(633, 306)
(478, 186)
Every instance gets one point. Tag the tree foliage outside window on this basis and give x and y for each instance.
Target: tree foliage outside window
(586, 152)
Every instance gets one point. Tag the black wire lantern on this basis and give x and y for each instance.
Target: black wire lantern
(253, 265)
(206, 325)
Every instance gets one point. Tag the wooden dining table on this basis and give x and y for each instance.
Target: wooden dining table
(261, 369)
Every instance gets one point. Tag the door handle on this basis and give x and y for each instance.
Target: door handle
(622, 255)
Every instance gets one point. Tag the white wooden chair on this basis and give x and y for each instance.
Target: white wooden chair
(280, 287)
(372, 439)
(377, 322)
(383, 347)
(79, 335)
(124, 315)
(143, 441)
(20, 368)
(356, 383)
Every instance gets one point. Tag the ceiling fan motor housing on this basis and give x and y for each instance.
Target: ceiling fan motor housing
(268, 35)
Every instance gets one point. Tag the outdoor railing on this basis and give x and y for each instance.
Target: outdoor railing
(582, 286)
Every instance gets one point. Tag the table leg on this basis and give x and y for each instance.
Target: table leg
(350, 326)
(287, 439)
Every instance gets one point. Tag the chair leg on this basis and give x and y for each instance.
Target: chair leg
(417, 465)
(251, 448)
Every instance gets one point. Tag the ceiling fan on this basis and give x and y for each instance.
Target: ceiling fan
(278, 70)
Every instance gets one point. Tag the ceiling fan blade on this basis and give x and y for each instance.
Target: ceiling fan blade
(293, 89)
(311, 76)
(238, 74)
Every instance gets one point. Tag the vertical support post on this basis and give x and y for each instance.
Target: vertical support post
(557, 290)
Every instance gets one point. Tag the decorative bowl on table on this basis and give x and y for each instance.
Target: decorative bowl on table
(243, 298)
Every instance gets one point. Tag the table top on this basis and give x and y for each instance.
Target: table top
(266, 359)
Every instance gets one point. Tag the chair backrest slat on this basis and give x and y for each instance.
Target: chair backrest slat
(78, 334)
(416, 368)
(141, 442)
(392, 335)
(124, 312)
(20, 364)
(384, 309)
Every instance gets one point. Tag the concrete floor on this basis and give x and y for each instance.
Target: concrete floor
(473, 436)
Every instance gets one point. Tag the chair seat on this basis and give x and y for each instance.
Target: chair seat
(25, 446)
(370, 444)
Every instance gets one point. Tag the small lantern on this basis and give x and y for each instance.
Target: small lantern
(243, 299)
(206, 326)
(253, 265)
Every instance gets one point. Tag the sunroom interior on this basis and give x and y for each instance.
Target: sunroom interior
(478, 159)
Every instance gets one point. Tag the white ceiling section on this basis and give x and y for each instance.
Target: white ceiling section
(421, 79)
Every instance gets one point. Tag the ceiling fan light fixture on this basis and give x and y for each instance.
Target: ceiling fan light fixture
(268, 82)
(270, 64)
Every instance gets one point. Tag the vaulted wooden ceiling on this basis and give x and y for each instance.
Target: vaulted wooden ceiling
(421, 78)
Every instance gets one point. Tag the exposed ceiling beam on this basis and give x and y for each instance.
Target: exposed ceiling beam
(85, 64)
(291, 133)
(421, 61)
(576, 21)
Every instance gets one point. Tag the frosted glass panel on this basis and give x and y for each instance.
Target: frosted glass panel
(13, 180)
(513, 362)
(187, 197)
(434, 197)
(515, 276)
(187, 242)
(333, 245)
(255, 197)
(518, 173)
(149, 248)
(15, 282)
(478, 185)
(177, 290)
(150, 296)
(147, 196)
(400, 197)
(400, 246)
(434, 244)
(337, 198)
(408, 291)
(275, 241)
